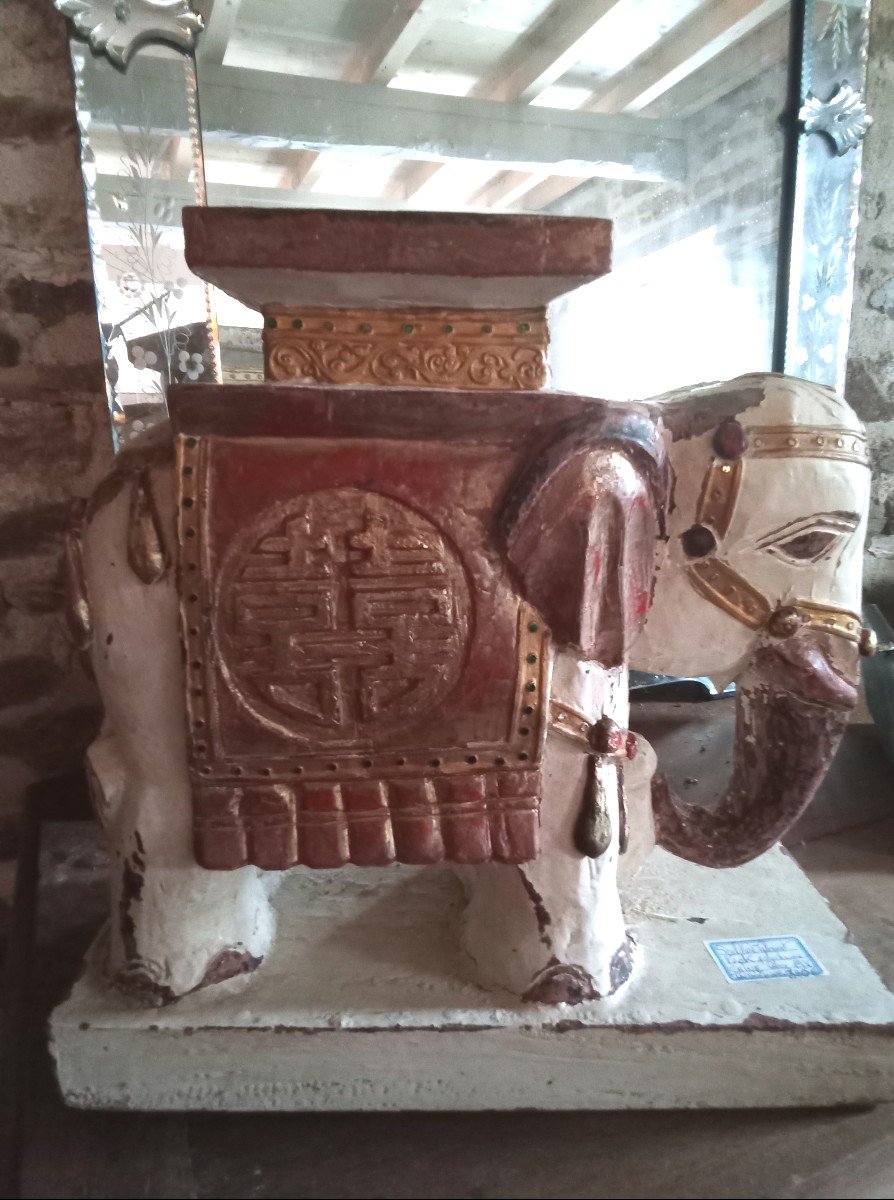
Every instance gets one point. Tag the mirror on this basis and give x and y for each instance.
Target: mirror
(142, 162)
(663, 115)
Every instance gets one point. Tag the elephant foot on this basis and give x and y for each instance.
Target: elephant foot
(228, 964)
(622, 964)
(569, 983)
(140, 979)
(561, 983)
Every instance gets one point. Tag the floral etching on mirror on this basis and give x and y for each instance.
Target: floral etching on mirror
(138, 173)
(150, 279)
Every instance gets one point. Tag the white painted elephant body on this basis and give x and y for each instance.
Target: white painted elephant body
(552, 929)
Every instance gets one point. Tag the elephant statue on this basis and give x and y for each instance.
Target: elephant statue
(380, 608)
(716, 530)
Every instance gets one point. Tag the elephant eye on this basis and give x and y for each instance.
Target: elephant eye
(808, 546)
(811, 539)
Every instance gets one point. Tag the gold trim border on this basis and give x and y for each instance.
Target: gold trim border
(807, 441)
(840, 621)
(719, 493)
(522, 326)
(718, 583)
(570, 722)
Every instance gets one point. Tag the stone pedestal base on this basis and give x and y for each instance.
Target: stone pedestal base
(364, 1004)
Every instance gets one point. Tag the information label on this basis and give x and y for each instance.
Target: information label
(747, 960)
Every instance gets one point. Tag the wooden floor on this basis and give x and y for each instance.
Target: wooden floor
(784, 1153)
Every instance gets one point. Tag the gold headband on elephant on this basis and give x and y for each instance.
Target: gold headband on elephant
(715, 579)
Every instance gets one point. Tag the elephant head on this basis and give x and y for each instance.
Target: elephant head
(758, 581)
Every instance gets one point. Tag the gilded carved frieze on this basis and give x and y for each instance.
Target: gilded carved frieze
(416, 347)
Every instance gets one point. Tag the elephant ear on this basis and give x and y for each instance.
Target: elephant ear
(580, 532)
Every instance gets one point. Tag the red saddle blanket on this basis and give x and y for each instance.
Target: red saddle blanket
(364, 682)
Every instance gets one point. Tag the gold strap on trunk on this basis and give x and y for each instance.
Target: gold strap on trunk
(570, 722)
(827, 617)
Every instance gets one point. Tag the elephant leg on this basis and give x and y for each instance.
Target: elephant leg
(552, 930)
(174, 925)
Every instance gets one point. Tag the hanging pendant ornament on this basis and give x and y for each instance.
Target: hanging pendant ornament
(610, 745)
(593, 828)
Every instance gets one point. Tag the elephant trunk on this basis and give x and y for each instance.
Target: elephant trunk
(792, 706)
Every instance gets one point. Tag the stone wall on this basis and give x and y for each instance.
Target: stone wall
(55, 438)
(870, 377)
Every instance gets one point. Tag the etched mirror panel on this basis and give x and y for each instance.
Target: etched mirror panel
(834, 120)
(661, 116)
(141, 159)
(666, 117)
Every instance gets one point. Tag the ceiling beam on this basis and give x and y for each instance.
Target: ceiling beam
(268, 110)
(377, 62)
(500, 186)
(543, 53)
(548, 190)
(534, 62)
(302, 169)
(694, 41)
(747, 59)
(507, 188)
(658, 79)
(409, 177)
(212, 42)
(398, 37)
